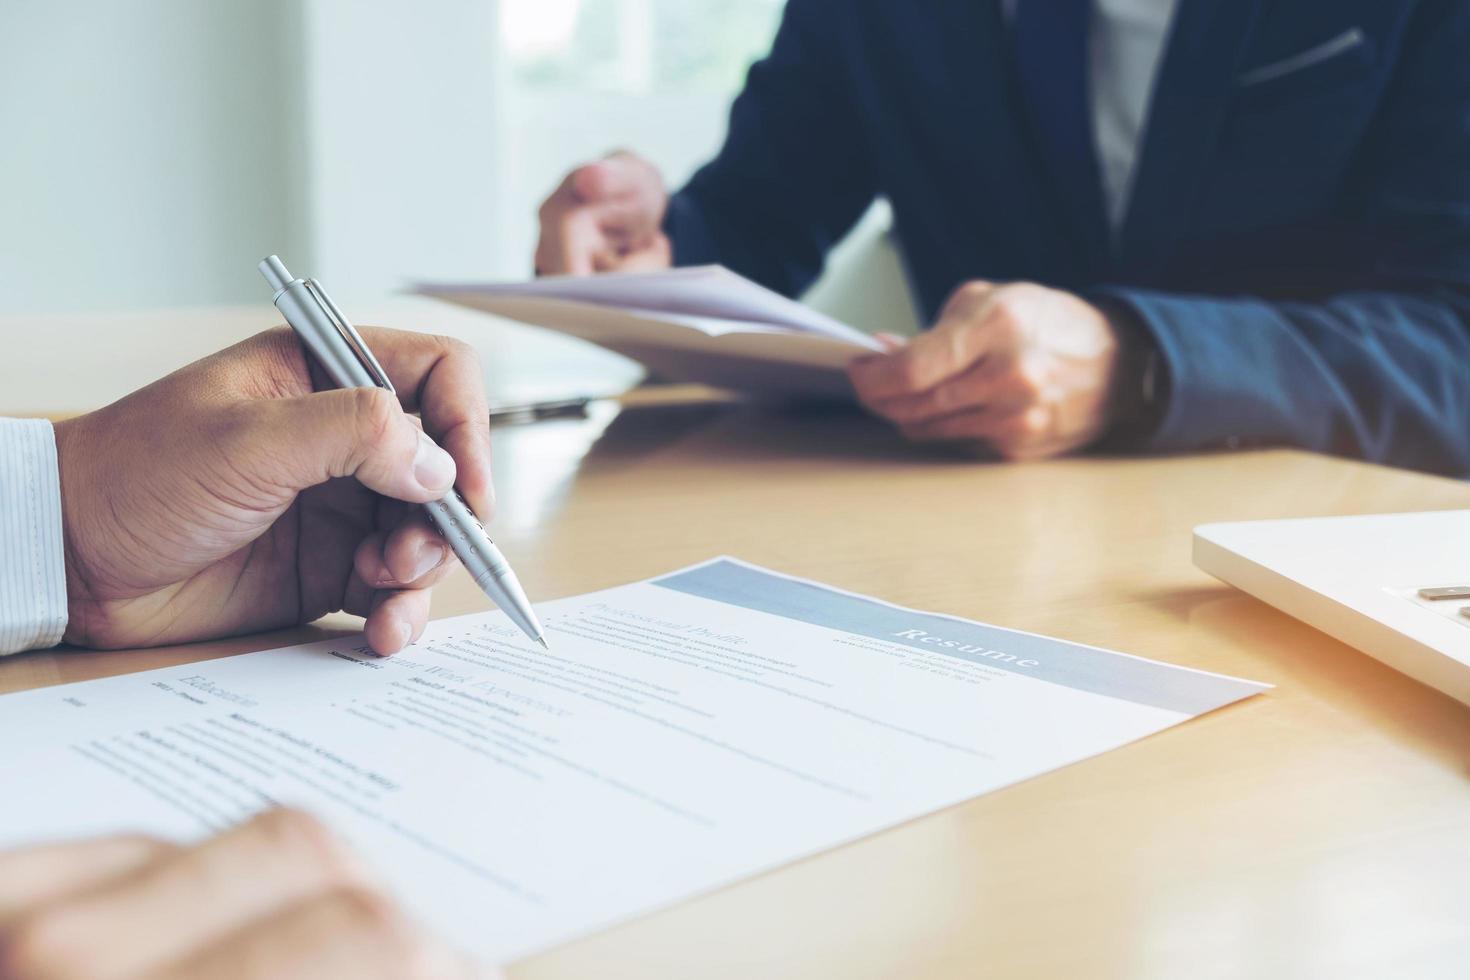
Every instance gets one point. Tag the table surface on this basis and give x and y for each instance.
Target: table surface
(1319, 830)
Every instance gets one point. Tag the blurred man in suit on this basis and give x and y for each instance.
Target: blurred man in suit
(1155, 225)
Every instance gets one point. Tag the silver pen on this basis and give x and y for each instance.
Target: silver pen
(340, 350)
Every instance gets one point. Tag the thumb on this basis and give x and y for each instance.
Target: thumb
(298, 443)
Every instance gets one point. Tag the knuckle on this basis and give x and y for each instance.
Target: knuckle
(279, 366)
(457, 349)
(375, 411)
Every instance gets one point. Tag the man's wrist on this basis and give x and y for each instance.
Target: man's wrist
(1138, 394)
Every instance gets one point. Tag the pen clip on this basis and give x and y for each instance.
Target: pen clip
(349, 335)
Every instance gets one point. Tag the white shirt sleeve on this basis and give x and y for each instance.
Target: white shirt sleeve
(32, 560)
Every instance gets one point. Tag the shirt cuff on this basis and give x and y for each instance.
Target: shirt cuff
(32, 557)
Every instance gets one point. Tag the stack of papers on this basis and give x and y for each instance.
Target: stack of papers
(701, 324)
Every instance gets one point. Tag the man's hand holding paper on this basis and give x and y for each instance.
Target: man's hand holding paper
(1025, 370)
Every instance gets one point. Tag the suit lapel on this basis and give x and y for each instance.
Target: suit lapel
(1191, 97)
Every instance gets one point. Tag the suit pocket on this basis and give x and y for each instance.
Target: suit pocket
(1292, 135)
(1335, 62)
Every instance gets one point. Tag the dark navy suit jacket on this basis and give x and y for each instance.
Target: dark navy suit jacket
(1298, 240)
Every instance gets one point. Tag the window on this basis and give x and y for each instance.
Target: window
(637, 47)
(583, 77)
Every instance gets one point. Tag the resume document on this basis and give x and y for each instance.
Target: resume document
(681, 733)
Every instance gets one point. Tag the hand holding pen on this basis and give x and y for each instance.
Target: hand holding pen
(229, 498)
(340, 351)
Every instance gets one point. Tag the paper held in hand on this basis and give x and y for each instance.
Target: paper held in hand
(701, 324)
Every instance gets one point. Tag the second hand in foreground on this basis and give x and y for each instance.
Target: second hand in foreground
(340, 350)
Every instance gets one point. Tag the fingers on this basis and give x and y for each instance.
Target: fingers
(580, 239)
(441, 378)
(654, 254)
(963, 335)
(171, 908)
(45, 873)
(571, 238)
(999, 427)
(628, 191)
(604, 215)
(291, 444)
(395, 619)
(412, 555)
(392, 573)
(437, 376)
(992, 383)
(275, 897)
(1031, 431)
(1026, 369)
(348, 932)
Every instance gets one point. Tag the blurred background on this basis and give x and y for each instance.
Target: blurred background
(154, 150)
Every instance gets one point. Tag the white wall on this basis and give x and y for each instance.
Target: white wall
(401, 141)
(145, 150)
(153, 151)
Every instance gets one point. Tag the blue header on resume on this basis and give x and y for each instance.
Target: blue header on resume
(1072, 665)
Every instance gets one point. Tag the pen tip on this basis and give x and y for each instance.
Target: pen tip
(544, 645)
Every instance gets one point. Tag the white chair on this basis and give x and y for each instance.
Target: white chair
(864, 283)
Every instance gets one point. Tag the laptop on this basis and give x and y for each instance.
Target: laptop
(1396, 586)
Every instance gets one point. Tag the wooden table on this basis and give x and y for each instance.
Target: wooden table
(1319, 830)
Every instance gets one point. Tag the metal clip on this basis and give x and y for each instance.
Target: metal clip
(350, 335)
